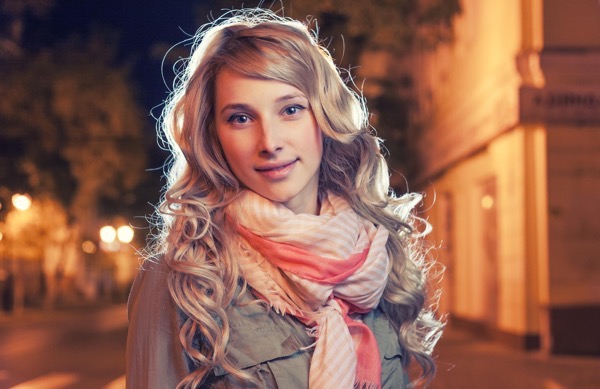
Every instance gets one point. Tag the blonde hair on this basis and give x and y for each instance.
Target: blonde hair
(194, 237)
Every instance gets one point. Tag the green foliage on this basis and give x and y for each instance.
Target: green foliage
(73, 112)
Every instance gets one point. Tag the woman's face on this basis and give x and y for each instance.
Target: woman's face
(270, 138)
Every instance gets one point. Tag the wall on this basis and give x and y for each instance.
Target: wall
(574, 235)
(468, 92)
(491, 269)
(487, 169)
(511, 112)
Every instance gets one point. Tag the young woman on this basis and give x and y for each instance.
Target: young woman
(285, 261)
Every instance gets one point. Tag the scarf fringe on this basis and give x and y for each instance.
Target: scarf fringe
(313, 332)
(279, 304)
(366, 385)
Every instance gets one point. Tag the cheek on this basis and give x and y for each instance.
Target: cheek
(229, 155)
(233, 160)
(231, 147)
(237, 157)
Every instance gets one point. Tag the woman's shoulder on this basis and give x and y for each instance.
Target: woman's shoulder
(155, 358)
(150, 284)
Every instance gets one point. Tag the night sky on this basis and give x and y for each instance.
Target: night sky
(140, 24)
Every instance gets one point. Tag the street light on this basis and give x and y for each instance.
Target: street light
(108, 234)
(111, 238)
(125, 234)
(21, 201)
(108, 239)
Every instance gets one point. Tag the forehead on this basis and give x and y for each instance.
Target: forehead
(234, 87)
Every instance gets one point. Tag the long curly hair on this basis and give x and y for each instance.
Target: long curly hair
(194, 238)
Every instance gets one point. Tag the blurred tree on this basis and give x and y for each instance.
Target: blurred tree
(396, 26)
(70, 115)
(35, 236)
(12, 22)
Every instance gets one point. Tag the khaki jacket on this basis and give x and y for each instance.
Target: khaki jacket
(269, 346)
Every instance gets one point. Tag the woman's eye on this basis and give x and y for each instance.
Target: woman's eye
(239, 119)
(292, 110)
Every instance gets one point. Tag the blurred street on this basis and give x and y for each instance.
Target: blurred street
(465, 362)
(82, 348)
(85, 349)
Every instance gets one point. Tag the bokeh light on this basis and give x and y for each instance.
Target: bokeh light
(108, 234)
(21, 201)
(125, 234)
(88, 247)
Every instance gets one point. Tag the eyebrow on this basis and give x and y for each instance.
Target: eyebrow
(289, 97)
(280, 99)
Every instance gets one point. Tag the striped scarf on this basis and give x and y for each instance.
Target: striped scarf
(323, 269)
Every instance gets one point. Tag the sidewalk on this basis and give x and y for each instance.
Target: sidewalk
(466, 362)
(57, 313)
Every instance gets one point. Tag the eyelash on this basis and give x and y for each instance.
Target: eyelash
(297, 107)
(233, 118)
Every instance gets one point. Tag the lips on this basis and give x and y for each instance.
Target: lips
(278, 166)
(276, 170)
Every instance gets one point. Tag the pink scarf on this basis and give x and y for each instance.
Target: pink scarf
(324, 270)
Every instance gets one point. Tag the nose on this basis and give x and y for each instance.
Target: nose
(270, 141)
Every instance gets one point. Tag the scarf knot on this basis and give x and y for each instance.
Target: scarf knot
(320, 269)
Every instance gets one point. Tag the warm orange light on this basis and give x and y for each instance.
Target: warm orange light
(88, 247)
(108, 234)
(125, 234)
(487, 202)
(21, 201)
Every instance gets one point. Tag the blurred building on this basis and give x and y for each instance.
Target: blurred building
(511, 112)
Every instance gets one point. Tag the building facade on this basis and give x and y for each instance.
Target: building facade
(511, 154)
